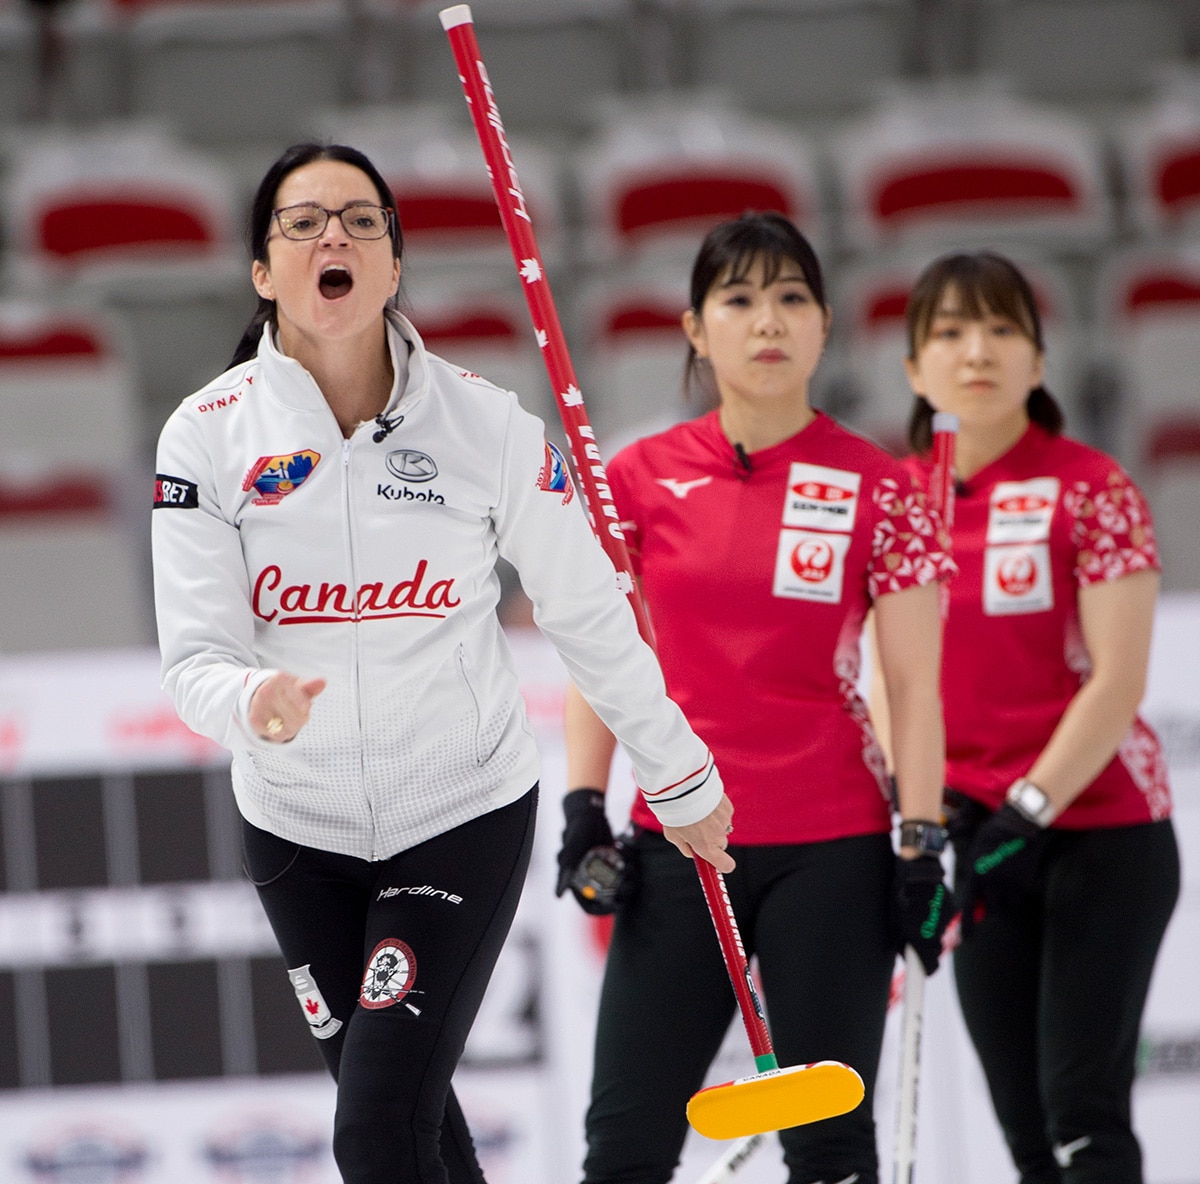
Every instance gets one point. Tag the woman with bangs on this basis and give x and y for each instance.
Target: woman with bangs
(762, 534)
(1067, 868)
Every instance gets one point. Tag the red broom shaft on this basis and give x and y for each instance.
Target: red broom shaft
(585, 455)
(941, 480)
(737, 964)
(518, 227)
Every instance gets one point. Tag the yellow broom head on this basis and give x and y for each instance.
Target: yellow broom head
(775, 1100)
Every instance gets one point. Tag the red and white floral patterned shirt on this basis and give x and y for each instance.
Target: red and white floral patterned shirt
(1049, 517)
(757, 582)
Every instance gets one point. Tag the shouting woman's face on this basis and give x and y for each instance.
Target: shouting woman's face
(333, 286)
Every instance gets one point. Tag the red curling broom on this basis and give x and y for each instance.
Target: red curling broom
(773, 1098)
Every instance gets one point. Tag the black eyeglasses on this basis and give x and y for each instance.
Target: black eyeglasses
(360, 220)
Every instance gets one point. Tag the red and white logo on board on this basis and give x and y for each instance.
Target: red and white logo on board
(810, 565)
(1016, 579)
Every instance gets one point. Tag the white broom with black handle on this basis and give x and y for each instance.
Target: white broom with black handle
(941, 499)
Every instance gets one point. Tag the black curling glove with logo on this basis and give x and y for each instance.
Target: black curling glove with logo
(586, 827)
(922, 906)
(1002, 862)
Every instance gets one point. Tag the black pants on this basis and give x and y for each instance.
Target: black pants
(390, 961)
(1052, 990)
(816, 916)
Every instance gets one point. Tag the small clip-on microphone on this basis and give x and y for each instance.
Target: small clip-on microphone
(386, 426)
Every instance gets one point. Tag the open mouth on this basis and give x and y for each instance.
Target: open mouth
(335, 281)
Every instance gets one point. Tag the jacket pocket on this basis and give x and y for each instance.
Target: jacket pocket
(464, 673)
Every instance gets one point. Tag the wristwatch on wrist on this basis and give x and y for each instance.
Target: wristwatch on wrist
(1030, 802)
(927, 837)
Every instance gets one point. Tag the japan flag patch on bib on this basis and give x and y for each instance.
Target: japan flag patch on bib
(1016, 579)
(810, 565)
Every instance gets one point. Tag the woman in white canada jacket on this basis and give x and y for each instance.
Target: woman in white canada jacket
(329, 513)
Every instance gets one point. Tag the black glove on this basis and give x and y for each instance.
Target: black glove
(1002, 862)
(586, 830)
(922, 906)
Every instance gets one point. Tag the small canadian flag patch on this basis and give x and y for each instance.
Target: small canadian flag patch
(313, 1004)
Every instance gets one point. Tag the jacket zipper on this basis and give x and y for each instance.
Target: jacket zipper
(356, 688)
(464, 670)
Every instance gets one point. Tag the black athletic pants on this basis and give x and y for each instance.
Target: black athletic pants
(816, 915)
(1052, 989)
(390, 961)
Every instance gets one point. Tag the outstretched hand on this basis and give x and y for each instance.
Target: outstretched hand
(281, 706)
(708, 838)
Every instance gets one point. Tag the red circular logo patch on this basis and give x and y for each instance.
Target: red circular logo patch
(1017, 574)
(812, 561)
(390, 973)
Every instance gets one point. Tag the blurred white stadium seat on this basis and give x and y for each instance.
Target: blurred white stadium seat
(431, 158)
(66, 389)
(130, 217)
(120, 195)
(632, 363)
(1148, 325)
(1159, 146)
(70, 556)
(872, 299)
(18, 66)
(1172, 483)
(490, 334)
(231, 72)
(1079, 50)
(548, 60)
(659, 173)
(951, 163)
(799, 57)
(90, 80)
(69, 576)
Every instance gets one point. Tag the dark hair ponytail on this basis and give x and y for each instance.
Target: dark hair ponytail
(262, 210)
(247, 347)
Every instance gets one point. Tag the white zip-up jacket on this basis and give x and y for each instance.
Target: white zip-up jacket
(281, 545)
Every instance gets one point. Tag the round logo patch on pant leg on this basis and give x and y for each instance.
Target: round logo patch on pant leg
(391, 970)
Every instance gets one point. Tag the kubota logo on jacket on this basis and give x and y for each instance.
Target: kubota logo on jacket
(284, 603)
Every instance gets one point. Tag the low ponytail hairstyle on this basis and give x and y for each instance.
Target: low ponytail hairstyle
(262, 210)
(731, 249)
(986, 284)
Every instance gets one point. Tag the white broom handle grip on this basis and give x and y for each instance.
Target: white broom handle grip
(941, 499)
(905, 1157)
